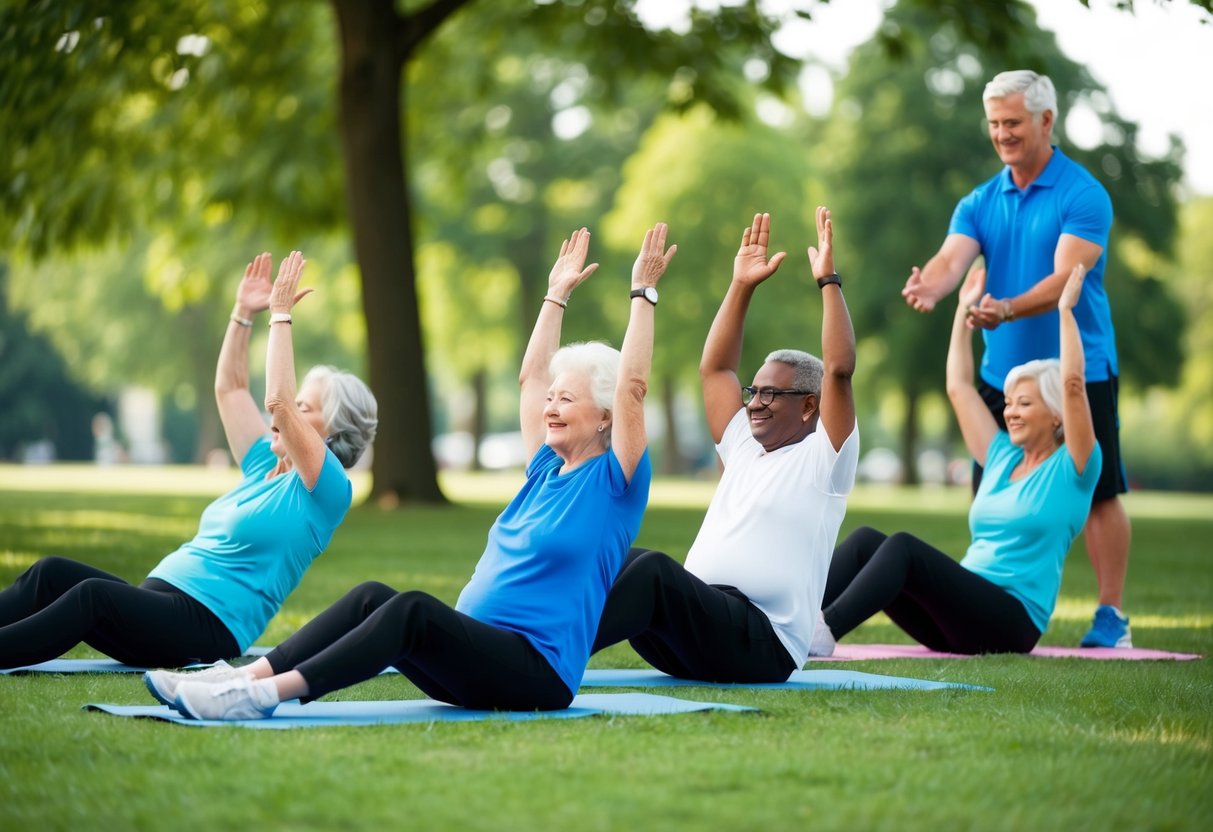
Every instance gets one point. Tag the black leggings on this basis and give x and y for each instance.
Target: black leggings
(58, 603)
(926, 593)
(452, 657)
(687, 628)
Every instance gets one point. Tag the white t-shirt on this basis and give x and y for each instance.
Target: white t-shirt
(772, 524)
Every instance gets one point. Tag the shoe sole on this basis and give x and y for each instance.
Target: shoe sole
(155, 691)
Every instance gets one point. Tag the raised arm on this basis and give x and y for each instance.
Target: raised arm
(628, 438)
(1075, 409)
(942, 273)
(977, 426)
(535, 377)
(238, 411)
(837, 405)
(304, 447)
(722, 350)
(1044, 295)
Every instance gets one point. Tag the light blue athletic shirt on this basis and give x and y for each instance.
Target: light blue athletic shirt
(255, 542)
(553, 554)
(1018, 233)
(1022, 530)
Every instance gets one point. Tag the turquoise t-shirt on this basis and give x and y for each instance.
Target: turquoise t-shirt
(553, 554)
(255, 542)
(1022, 530)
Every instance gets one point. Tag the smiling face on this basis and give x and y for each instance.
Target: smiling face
(787, 419)
(310, 402)
(1029, 421)
(1021, 141)
(572, 418)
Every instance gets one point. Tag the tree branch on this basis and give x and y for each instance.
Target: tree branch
(414, 28)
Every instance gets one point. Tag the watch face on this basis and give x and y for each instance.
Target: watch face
(650, 294)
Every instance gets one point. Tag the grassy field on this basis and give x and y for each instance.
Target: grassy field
(1059, 744)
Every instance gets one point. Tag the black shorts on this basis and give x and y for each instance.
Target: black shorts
(1102, 396)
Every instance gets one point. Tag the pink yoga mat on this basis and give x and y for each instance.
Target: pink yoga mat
(858, 652)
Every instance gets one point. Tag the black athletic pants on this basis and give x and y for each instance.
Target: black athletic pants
(926, 593)
(58, 603)
(687, 628)
(452, 657)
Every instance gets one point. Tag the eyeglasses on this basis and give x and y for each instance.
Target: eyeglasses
(766, 395)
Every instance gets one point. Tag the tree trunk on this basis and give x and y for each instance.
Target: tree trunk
(909, 438)
(479, 425)
(672, 463)
(372, 62)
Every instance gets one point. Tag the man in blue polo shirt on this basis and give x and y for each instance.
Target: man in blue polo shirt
(1032, 223)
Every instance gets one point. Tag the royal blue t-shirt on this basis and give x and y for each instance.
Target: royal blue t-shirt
(553, 554)
(255, 542)
(1022, 529)
(1018, 232)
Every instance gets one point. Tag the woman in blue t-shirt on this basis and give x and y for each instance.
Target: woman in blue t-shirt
(213, 596)
(520, 634)
(1032, 503)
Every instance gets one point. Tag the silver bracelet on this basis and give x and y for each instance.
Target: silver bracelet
(244, 322)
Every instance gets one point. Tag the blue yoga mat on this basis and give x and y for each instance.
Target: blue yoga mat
(800, 680)
(103, 665)
(315, 714)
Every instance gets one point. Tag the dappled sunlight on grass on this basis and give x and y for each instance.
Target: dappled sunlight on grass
(1162, 735)
(17, 560)
(1081, 608)
(113, 521)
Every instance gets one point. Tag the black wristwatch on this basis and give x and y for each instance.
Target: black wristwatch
(649, 293)
(823, 282)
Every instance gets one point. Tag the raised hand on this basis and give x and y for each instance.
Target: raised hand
(751, 265)
(570, 270)
(651, 263)
(286, 292)
(253, 293)
(821, 258)
(1073, 288)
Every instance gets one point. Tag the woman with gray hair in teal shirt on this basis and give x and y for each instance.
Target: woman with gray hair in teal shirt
(214, 596)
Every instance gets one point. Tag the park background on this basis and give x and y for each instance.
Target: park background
(429, 157)
(428, 162)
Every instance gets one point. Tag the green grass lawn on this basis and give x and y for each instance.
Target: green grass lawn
(1060, 744)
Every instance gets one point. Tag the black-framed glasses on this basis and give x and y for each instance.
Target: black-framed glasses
(767, 395)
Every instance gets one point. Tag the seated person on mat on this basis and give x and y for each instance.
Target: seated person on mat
(520, 634)
(1032, 502)
(213, 597)
(744, 606)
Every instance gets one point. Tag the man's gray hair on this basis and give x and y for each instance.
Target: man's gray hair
(599, 362)
(351, 414)
(807, 369)
(1038, 92)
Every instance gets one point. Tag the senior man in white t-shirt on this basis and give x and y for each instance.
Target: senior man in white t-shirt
(744, 607)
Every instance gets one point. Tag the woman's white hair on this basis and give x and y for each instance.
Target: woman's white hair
(1038, 92)
(1046, 372)
(599, 362)
(807, 370)
(351, 414)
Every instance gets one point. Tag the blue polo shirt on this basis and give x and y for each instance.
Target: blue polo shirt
(1018, 232)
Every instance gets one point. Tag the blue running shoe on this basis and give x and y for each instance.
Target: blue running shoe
(1109, 629)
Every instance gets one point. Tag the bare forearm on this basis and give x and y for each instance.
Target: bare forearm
(959, 372)
(231, 370)
(722, 349)
(279, 368)
(837, 334)
(543, 343)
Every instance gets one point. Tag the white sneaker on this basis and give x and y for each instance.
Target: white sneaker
(162, 684)
(240, 698)
(822, 643)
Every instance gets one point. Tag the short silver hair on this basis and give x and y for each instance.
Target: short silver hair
(807, 369)
(599, 362)
(1038, 93)
(1046, 372)
(351, 414)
